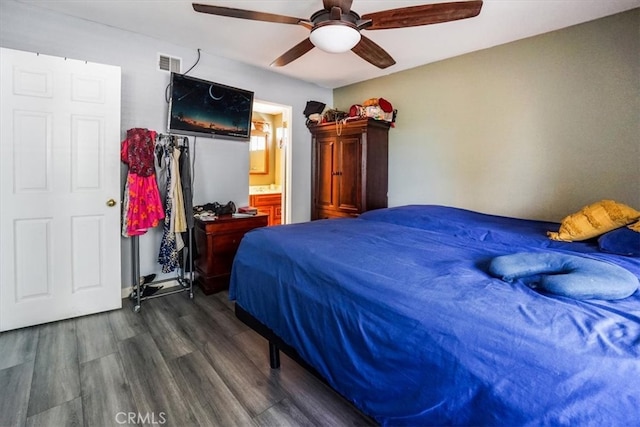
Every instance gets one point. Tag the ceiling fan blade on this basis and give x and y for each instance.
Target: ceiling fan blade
(294, 53)
(247, 14)
(373, 53)
(414, 16)
(344, 5)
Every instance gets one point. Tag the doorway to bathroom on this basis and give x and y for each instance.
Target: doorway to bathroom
(270, 161)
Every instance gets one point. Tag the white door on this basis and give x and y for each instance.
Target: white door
(59, 167)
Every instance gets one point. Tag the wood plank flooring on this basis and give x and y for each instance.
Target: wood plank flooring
(179, 362)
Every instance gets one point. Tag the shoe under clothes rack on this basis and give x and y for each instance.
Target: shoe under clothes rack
(184, 284)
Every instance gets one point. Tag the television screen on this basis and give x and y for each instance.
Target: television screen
(202, 107)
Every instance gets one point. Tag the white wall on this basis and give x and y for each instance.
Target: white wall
(221, 166)
(536, 128)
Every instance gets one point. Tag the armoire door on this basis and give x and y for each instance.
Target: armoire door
(325, 173)
(349, 174)
(60, 182)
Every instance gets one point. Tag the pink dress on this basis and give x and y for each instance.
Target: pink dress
(142, 207)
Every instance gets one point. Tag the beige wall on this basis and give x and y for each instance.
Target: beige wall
(536, 128)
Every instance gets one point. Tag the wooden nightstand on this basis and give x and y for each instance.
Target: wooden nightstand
(217, 242)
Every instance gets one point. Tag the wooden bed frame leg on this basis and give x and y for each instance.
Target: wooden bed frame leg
(274, 356)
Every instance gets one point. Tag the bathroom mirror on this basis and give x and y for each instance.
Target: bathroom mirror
(259, 153)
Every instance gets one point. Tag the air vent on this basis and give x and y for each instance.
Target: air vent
(169, 63)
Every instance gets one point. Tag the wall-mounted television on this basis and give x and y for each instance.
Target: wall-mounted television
(204, 108)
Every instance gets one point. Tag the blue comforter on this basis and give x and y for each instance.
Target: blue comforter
(397, 311)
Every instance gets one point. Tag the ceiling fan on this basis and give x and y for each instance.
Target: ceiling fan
(336, 28)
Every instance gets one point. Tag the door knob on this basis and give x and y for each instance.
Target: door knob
(111, 203)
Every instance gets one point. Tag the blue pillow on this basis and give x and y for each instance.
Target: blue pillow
(567, 275)
(622, 241)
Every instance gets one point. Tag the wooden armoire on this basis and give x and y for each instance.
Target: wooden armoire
(349, 168)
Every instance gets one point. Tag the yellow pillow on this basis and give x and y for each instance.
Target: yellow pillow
(594, 220)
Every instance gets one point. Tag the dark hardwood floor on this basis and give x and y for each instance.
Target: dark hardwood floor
(178, 362)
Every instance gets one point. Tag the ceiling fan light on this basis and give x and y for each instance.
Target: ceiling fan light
(335, 38)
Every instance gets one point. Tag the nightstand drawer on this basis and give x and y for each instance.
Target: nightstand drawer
(222, 264)
(226, 242)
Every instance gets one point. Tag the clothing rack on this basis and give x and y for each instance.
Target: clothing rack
(185, 284)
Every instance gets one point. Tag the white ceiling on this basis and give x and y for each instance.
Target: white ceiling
(259, 43)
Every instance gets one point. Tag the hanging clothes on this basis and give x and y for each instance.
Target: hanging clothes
(142, 206)
(178, 219)
(173, 164)
(185, 179)
(168, 256)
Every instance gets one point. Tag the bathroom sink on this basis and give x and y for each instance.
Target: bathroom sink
(264, 189)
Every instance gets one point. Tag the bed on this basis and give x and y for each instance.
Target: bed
(397, 312)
